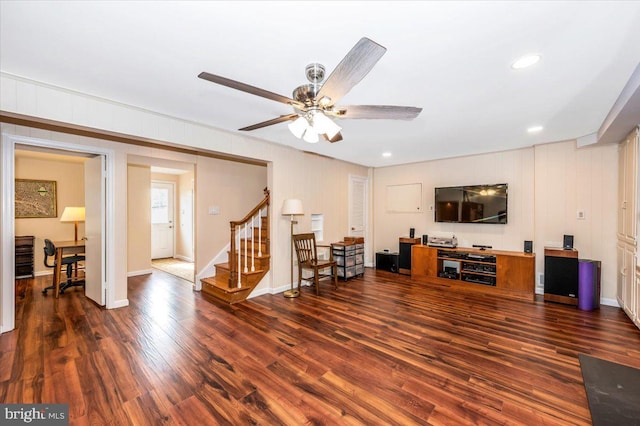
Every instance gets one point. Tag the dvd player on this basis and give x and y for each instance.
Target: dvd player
(447, 242)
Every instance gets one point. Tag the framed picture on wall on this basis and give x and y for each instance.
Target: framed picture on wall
(36, 198)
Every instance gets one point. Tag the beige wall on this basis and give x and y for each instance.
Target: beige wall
(569, 179)
(234, 188)
(69, 175)
(138, 219)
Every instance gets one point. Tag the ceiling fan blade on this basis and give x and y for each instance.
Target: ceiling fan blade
(390, 112)
(353, 67)
(247, 88)
(271, 122)
(336, 138)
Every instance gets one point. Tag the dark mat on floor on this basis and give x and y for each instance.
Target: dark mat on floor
(613, 391)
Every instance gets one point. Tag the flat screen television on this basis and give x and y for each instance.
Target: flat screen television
(472, 204)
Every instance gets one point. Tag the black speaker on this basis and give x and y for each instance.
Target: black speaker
(528, 246)
(425, 240)
(412, 232)
(567, 242)
(386, 261)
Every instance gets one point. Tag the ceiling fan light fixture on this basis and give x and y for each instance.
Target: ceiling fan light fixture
(324, 101)
(324, 125)
(310, 135)
(298, 126)
(318, 97)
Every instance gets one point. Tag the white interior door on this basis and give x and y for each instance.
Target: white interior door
(162, 229)
(357, 206)
(94, 225)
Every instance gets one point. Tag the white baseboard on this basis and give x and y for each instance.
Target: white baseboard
(43, 273)
(141, 272)
(609, 302)
(120, 304)
(260, 292)
(276, 290)
(185, 258)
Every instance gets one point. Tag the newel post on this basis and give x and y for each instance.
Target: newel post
(233, 270)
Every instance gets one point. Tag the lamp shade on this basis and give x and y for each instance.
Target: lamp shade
(299, 126)
(311, 135)
(72, 214)
(324, 125)
(292, 206)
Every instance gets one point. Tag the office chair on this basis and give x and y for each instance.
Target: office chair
(50, 251)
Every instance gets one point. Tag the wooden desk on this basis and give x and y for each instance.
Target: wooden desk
(62, 248)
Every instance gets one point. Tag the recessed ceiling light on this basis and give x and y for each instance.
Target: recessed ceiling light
(386, 154)
(525, 61)
(535, 129)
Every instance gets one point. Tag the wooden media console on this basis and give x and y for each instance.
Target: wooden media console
(508, 273)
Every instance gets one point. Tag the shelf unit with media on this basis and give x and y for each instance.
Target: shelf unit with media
(24, 256)
(508, 273)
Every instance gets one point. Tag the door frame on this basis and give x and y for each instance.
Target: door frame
(7, 210)
(173, 205)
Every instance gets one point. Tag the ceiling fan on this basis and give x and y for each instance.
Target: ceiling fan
(315, 102)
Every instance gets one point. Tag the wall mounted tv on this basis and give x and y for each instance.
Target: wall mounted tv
(472, 204)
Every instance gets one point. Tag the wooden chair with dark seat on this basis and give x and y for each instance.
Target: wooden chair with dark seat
(307, 252)
(69, 261)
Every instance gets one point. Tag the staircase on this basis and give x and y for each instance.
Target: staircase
(249, 258)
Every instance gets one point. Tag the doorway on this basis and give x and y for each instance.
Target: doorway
(165, 229)
(172, 205)
(104, 264)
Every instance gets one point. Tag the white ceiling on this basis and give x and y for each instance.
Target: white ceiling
(450, 58)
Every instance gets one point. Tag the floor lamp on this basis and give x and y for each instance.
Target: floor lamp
(292, 207)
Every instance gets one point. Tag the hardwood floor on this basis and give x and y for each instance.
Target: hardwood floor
(380, 350)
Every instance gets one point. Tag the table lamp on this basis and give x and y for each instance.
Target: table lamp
(292, 207)
(75, 215)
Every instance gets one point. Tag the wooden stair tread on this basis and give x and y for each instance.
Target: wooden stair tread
(223, 284)
(225, 266)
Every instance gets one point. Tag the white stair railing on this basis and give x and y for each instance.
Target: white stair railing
(239, 260)
(260, 232)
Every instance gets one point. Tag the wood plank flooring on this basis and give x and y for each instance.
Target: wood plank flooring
(379, 350)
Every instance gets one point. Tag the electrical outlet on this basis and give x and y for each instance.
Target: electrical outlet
(580, 215)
